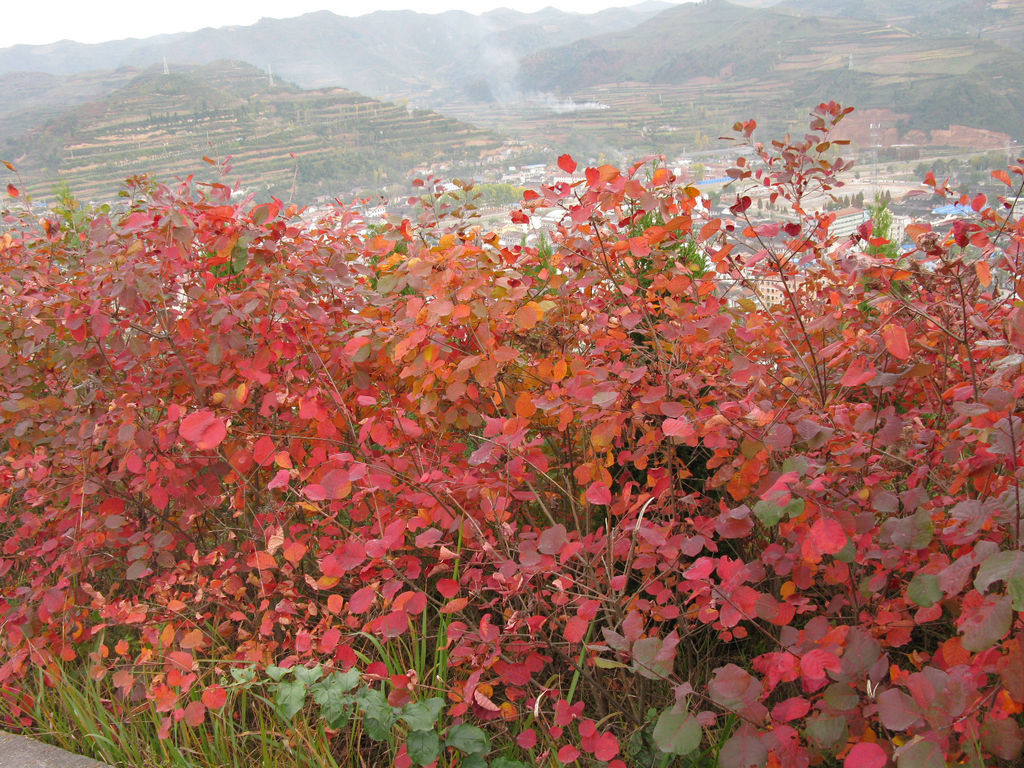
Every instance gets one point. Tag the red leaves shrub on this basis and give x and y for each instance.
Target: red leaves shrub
(231, 432)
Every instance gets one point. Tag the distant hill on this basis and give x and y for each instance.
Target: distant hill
(780, 54)
(326, 141)
(427, 58)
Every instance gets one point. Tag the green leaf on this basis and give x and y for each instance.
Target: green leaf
(1004, 566)
(468, 738)
(276, 673)
(308, 676)
(244, 675)
(239, 257)
(335, 705)
(985, 626)
(826, 730)
(378, 716)
(798, 464)
(1015, 589)
(842, 697)
(424, 747)
(345, 681)
(289, 699)
(422, 715)
(920, 754)
(473, 761)
(677, 733)
(504, 762)
(602, 663)
(768, 512)
(924, 589)
(646, 661)
(743, 749)
(847, 554)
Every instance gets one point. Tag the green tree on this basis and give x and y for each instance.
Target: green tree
(881, 227)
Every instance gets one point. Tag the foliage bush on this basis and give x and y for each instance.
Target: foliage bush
(600, 503)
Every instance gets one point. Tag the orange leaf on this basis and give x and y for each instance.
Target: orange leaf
(215, 696)
(456, 605)
(529, 315)
(293, 551)
(709, 230)
(895, 337)
(984, 273)
(525, 407)
(335, 603)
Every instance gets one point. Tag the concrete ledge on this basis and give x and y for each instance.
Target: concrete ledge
(23, 752)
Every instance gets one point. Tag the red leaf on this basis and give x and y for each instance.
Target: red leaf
(599, 493)
(895, 337)
(362, 599)
(576, 629)
(527, 739)
(448, 587)
(607, 747)
(215, 696)
(567, 164)
(791, 709)
(568, 754)
(859, 372)
(394, 624)
(330, 639)
(866, 755)
(263, 451)
(827, 536)
(13, 191)
(204, 429)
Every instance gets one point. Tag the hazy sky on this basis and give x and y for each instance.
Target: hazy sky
(46, 21)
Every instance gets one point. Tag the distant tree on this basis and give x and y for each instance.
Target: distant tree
(881, 227)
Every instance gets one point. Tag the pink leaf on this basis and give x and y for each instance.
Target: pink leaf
(866, 755)
(280, 480)
(204, 429)
(195, 713)
(677, 428)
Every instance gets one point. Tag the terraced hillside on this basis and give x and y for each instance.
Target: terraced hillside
(762, 62)
(289, 141)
